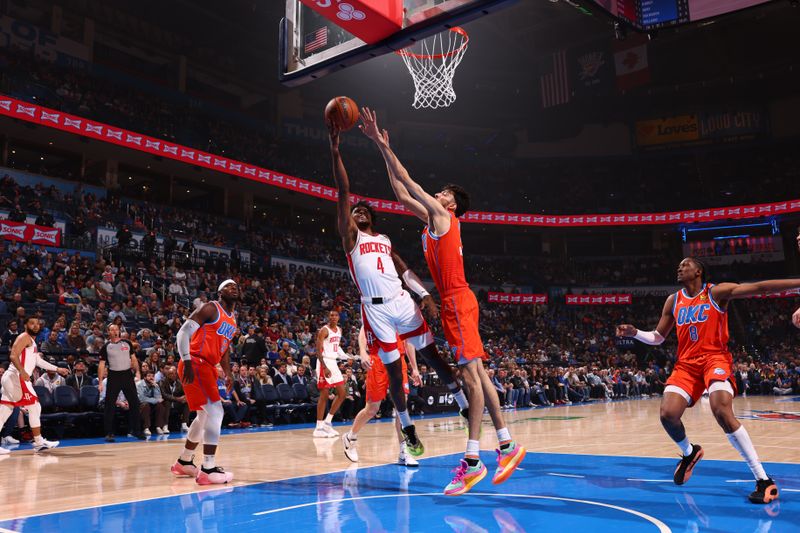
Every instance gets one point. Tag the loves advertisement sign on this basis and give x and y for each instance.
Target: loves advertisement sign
(678, 129)
(20, 231)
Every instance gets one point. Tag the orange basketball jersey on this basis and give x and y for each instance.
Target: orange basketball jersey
(701, 325)
(445, 257)
(212, 339)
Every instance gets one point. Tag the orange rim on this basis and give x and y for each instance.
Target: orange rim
(459, 30)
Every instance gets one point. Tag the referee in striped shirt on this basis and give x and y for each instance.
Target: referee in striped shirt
(122, 363)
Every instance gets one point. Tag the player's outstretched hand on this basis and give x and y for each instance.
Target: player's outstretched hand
(416, 379)
(63, 372)
(429, 305)
(796, 318)
(369, 125)
(366, 363)
(626, 330)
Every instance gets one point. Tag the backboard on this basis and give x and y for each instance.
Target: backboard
(311, 46)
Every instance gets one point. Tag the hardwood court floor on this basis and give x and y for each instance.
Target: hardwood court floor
(91, 475)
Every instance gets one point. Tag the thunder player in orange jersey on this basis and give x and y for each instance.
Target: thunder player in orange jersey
(203, 343)
(441, 242)
(377, 386)
(699, 313)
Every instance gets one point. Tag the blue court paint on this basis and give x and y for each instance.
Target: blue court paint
(568, 492)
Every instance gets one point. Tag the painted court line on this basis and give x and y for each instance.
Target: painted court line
(565, 475)
(662, 527)
(189, 493)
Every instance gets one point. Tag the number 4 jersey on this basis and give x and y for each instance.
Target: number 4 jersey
(701, 325)
(372, 267)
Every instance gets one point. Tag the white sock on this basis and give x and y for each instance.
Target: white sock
(208, 462)
(329, 419)
(351, 435)
(503, 435)
(319, 423)
(38, 439)
(473, 448)
(187, 455)
(461, 399)
(740, 440)
(405, 418)
(685, 446)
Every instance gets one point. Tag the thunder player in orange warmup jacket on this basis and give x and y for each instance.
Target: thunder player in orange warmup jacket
(441, 242)
(699, 313)
(203, 343)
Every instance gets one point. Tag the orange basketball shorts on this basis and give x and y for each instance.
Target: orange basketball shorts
(460, 323)
(204, 387)
(696, 375)
(378, 380)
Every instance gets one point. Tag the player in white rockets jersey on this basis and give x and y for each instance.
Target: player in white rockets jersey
(386, 308)
(17, 387)
(328, 374)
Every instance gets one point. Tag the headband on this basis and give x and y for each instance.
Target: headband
(225, 284)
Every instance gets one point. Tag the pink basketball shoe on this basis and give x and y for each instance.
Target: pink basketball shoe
(214, 476)
(184, 469)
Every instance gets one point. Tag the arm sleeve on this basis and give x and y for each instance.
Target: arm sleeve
(415, 284)
(653, 338)
(184, 338)
(41, 363)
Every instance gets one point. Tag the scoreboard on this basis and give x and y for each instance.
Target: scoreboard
(653, 14)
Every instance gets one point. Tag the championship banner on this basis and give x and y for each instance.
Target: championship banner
(517, 299)
(370, 20)
(21, 110)
(22, 232)
(599, 299)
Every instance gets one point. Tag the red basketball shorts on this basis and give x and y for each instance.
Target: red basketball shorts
(696, 375)
(460, 314)
(378, 380)
(204, 387)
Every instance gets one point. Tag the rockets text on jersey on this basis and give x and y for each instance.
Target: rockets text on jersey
(330, 346)
(372, 267)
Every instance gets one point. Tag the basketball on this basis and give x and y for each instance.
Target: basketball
(342, 111)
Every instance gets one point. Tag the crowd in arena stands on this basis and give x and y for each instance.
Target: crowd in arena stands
(720, 177)
(538, 355)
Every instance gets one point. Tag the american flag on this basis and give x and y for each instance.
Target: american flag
(555, 84)
(316, 40)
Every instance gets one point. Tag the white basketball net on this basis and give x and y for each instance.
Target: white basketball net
(433, 65)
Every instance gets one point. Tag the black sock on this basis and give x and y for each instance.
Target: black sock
(471, 461)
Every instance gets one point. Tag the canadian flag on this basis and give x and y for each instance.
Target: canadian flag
(630, 62)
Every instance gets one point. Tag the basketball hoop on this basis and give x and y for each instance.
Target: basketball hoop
(433, 66)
